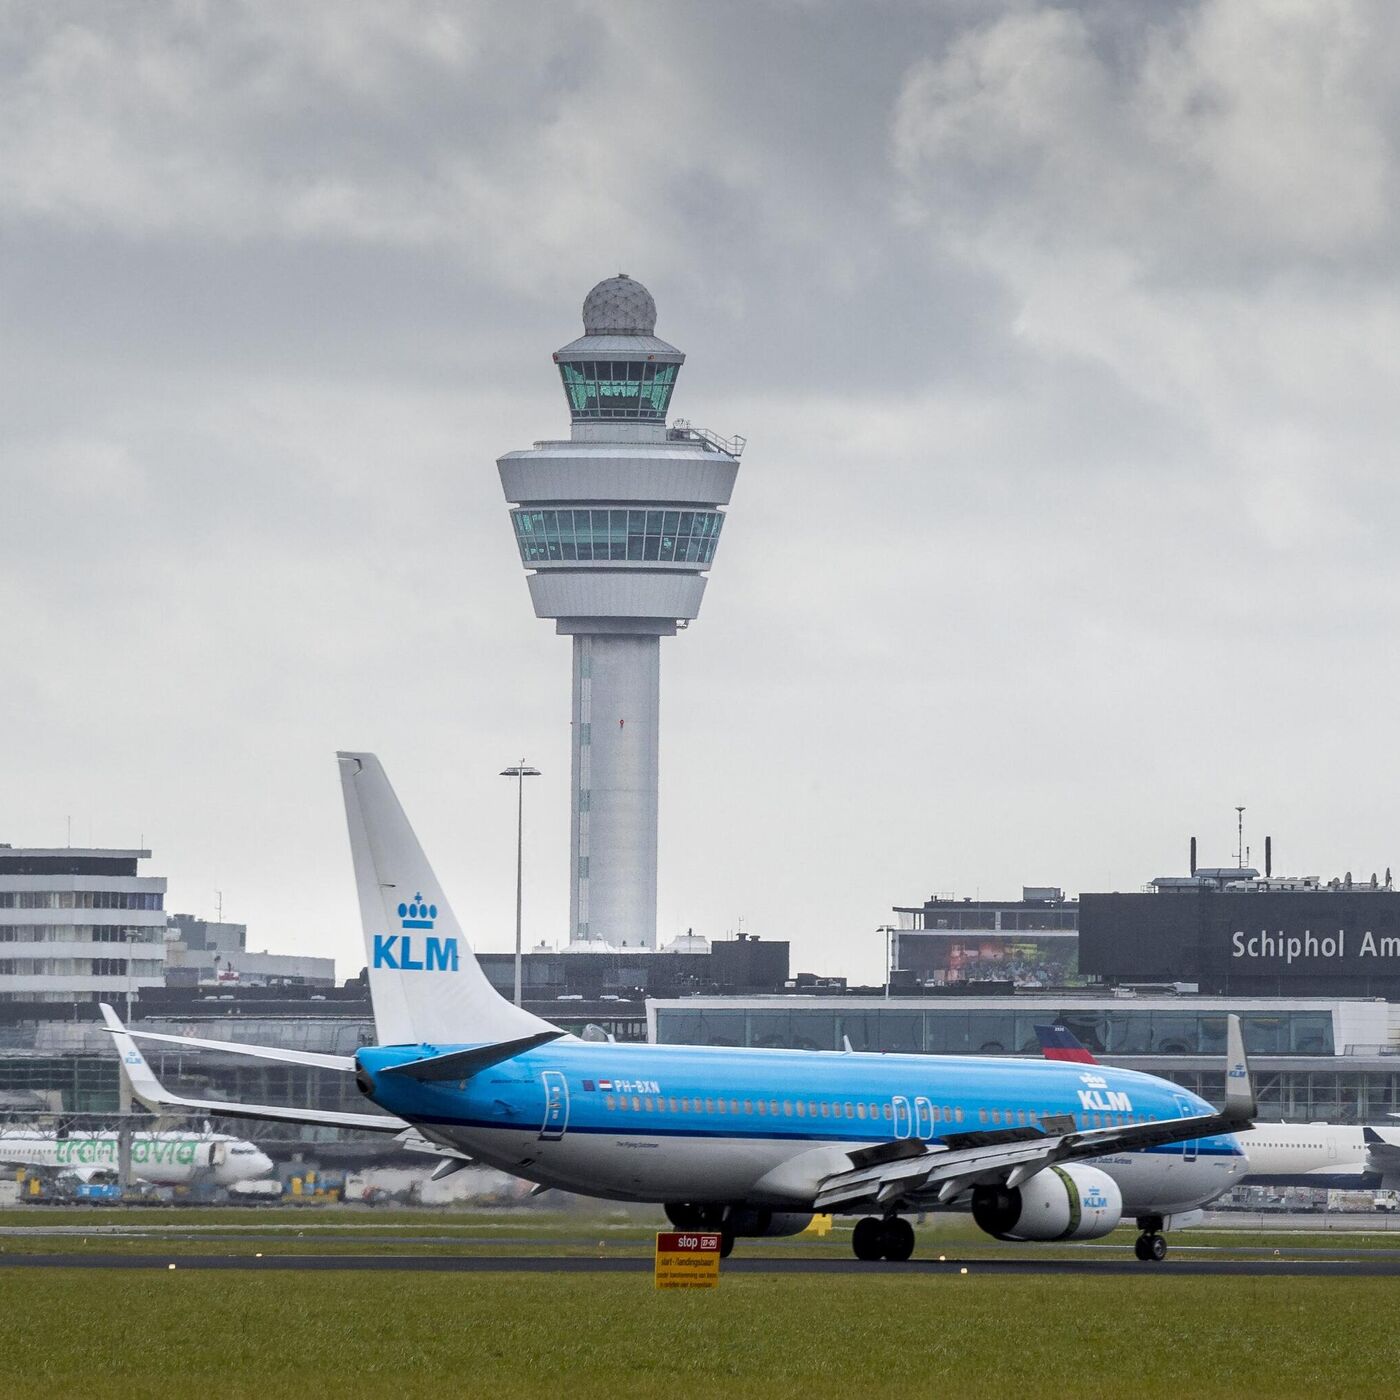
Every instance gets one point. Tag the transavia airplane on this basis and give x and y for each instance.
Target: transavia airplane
(163, 1159)
(1336, 1156)
(745, 1142)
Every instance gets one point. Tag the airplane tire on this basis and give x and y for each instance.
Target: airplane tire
(1150, 1248)
(867, 1239)
(898, 1240)
(726, 1244)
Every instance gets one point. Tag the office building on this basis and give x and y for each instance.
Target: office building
(78, 925)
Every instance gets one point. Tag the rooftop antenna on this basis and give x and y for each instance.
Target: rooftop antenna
(70, 830)
(1239, 820)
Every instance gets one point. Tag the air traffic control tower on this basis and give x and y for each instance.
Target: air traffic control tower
(618, 527)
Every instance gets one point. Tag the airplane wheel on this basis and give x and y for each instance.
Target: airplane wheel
(1150, 1248)
(867, 1239)
(726, 1245)
(898, 1240)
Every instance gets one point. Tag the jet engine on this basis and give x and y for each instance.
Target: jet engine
(1073, 1202)
(737, 1220)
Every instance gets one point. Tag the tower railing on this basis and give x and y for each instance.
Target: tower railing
(683, 431)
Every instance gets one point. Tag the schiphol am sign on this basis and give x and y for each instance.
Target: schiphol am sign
(1288, 948)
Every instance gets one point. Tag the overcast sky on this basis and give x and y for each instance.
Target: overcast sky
(1064, 337)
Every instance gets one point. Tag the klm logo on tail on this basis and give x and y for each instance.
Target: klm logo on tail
(395, 950)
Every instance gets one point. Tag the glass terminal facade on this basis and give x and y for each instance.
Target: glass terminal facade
(639, 390)
(1303, 1072)
(956, 1030)
(663, 536)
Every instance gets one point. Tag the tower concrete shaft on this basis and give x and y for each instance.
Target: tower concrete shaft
(615, 773)
(618, 526)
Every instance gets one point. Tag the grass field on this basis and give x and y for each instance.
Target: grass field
(595, 1231)
(283, 1334)
(278, 1333)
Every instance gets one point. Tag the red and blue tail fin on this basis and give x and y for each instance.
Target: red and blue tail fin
(1058, 1042)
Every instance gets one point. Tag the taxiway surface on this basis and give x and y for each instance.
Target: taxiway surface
(1354, 1267)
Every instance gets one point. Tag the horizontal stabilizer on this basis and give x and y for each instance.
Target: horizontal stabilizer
(448, 1166)
(462, 1064)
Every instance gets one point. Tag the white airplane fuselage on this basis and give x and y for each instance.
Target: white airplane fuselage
(163, 1159)
(1321, 1155)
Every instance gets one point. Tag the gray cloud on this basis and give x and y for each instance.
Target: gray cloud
(1063, 337)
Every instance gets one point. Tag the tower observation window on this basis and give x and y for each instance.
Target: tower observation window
(631, 536)
(635, 389)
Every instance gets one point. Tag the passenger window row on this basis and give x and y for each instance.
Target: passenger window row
(771, 1108)
(821, 1108)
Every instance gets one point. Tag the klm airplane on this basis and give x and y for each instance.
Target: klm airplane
(745, 1142)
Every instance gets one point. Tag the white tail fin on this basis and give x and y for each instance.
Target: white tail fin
(145, 1087)
(425, 984)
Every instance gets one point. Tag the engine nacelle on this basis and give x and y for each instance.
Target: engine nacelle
(1073, 1202)
(762, 1221)
(737, 1220)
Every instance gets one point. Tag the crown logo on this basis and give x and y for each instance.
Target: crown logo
(418, 914)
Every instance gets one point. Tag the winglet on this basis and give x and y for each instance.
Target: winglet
(139, 1075)
(1239, 1087)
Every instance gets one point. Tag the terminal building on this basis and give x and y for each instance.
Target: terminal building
(1314, 1058)
(1028, 942)
(1232, 931)
(202, 952)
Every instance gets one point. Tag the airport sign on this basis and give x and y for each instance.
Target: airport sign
(687, 1259)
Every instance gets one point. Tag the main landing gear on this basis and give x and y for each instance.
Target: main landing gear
(1150, 1247)
(875, 1238)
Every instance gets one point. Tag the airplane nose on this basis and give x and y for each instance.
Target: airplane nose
(264, 1163)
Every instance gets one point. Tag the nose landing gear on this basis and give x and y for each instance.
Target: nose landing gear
(874, 1238)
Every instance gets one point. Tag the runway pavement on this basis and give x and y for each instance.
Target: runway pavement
(1362, 1265)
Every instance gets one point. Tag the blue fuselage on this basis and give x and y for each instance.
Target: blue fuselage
(669, 1123)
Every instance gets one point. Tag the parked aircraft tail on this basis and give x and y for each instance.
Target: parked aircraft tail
(1058, 1042)
(426, 985)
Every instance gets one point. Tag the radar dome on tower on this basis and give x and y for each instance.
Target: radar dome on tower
(619, 306)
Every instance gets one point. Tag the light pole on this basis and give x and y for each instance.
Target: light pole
(888, 931)
(519, 771)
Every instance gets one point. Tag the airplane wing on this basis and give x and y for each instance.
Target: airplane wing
(936, 1172)
(344, 1063)
(151, 1092)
